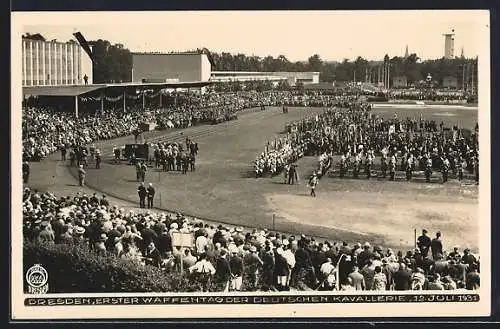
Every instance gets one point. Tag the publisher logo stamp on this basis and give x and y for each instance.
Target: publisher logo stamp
(37, 278)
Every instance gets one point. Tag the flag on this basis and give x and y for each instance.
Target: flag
(84, 44)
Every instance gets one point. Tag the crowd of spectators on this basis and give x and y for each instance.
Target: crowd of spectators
(228, 255)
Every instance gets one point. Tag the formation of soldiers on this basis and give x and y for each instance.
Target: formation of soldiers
(277, 155)
(82, 155)
(175, 156)
(354, 137)
(359, 136)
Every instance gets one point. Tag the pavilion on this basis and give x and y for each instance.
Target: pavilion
(76, 92)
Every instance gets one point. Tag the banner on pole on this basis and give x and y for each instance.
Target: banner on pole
(182, 239)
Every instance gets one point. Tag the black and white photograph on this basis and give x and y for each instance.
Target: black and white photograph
(250, 164)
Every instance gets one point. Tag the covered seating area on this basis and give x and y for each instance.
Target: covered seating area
(115, 92)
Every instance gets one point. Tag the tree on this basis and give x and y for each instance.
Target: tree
(315, 63)
(112, 62)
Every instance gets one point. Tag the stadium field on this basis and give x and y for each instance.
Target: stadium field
(223, 187)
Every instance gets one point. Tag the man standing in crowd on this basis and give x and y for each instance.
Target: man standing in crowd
(358, 281)
(144, 169)
(150, 195)
(81, 175)
(445, 167)
(138, 170)
(203, 270)
(152, 255)
(223, 271)
(141, 190)
(63, 152)
(436, 246)
(392, 166)
(236, 266)
(424, 243)
(97, 159)
(313, 182)
(402, 278)
(26, 172)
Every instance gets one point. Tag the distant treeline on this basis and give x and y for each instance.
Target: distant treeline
(113, 63)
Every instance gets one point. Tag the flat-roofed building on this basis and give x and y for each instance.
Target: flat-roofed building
(162, 67)
(54, 63)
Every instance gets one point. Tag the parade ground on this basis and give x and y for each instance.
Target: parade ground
(224, 189)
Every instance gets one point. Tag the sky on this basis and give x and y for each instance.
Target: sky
(334, 35)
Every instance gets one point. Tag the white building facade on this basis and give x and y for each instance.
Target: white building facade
(175, 67)
(52, 63)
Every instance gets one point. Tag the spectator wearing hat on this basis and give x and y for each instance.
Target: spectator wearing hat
(402, 278)
(436, 245)
(424, 243)
(150, 195)
(368, 273)
(223, 273)
(104, 201)
(164, 242)
(468, 258)
(455, 254)
(252, 264)
(236, 266)
(364, 256)
(268, 267)
(152, 255)
(328, 274)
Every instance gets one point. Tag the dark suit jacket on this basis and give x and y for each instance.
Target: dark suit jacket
(402, 280)
(222, 270)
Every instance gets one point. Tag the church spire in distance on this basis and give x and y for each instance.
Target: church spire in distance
(406, 52)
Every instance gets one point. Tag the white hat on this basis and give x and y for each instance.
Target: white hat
(174, 225)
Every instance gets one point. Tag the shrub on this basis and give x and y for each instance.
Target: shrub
(74, 268)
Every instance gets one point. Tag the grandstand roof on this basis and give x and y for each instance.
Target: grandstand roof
(84, 89)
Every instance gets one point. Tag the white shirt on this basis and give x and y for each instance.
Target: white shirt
(203, 266)
(201, 242)
(329, 270)
(290, 257)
